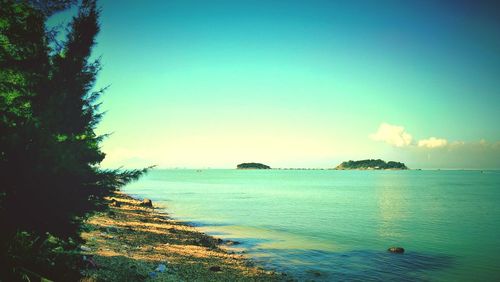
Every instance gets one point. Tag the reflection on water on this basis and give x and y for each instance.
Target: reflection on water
(337, 225)
(392, 207)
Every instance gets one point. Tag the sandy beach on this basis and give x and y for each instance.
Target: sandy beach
(133, 242)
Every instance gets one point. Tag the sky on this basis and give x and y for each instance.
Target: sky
(198, 84)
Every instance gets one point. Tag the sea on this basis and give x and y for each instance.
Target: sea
(329, 225)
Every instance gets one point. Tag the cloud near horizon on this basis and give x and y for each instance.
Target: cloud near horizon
(397, 136)
(433, 142)
(394, 135)
(457, 154)
(434, 152)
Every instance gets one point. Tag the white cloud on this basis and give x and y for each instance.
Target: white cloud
(477, 145)
(479, 154)
(394, 135)
(433, 142)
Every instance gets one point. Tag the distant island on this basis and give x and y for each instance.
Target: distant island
(371, 165)
(252, 166)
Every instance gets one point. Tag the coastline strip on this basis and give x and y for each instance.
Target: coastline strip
(131, 241)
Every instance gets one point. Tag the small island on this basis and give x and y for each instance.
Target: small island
(371, 165)
(252, 166)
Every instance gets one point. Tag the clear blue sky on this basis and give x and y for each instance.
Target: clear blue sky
(300, 83)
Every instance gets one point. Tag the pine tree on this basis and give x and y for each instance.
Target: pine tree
(49, 152)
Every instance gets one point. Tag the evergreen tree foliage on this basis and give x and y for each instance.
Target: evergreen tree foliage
(252, 166)
(49, 153)
(371, 164)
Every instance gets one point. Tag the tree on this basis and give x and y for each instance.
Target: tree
(49, 152)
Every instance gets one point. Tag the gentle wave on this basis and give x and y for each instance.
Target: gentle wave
(337, 225)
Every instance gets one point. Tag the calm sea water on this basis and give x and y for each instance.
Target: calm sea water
(336, 225)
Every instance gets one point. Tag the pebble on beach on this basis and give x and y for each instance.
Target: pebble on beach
(138, 244)
(147, 203)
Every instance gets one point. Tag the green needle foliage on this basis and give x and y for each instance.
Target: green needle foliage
(49, 153)
(371, 164)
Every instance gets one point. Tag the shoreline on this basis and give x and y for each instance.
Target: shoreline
(131, 242)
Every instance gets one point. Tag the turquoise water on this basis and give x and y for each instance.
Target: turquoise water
(336, 225)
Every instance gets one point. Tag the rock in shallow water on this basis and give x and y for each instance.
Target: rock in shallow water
(215, 268)
(232, 243)
(396, 250)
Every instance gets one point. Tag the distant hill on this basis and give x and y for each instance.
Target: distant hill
(371, 165)
(252, 166)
